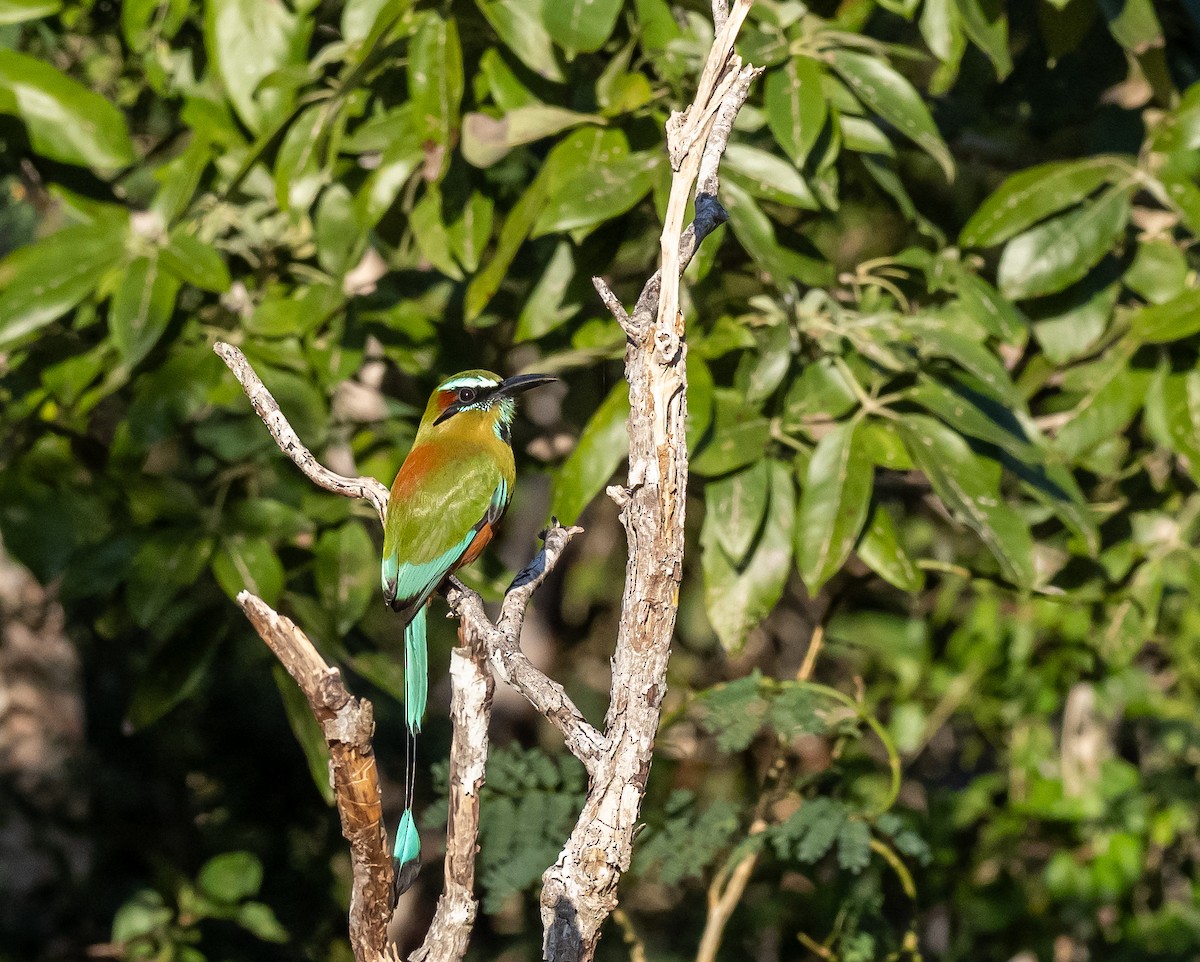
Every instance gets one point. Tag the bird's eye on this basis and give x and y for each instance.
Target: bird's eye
(466, 395)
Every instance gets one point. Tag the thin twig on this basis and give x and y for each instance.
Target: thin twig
(724, 894)
(501, 641)
(366, 489)
(815, 642)
(613, 303)
(637, 949)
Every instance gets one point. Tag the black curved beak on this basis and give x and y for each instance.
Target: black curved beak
(520, 383)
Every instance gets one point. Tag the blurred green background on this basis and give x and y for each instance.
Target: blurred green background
(936, 665)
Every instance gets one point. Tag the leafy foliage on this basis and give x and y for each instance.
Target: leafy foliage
(146, 927)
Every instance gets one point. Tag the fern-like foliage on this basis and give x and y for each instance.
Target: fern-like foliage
(529, 805)
(689, 839)
(906, 841)
(734, 712)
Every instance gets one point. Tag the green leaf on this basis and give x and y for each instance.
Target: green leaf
(893, 98)
(21, 11)
(306, 309)
(737, 504)
(307, 731)
(821, 392)
(599, 193)
(471, 229)
(941, 26)
(513, 233)
(739, 436)
(970, 412)
(195, 262)
(260, 920)
(881, 551)
(796, 107)
(140, 916)
(435, 82)
(1162, 323)
(756, 233)
(174, 674)
(1076, 319)
(1159, 271)
(700, 389)
(1034, 194)
(1183, 197)
(580, 26)
(1173, 414)
(231, 877)
(1113, 396)
(1055, 486)
(507, 90)
(734, 712)
(42, 281)
(1053, 255)
(63, 119)
(942, 336)
(399, 162)
(767, 176)
(544, 309)
(165, 563)
(249, 563)
(854, 846)
(689, 841)
(299, 173)
(487, 139)
(360, 18)
(986, 23)
(970, 488)
(518, 24)
(760, 372)
(346, 572)
(984, 303)
(246, 41)
(1133, 24)
(736, 597)
(432, 237)
(809, 833)
(833, 504)
(602, 446)
(141, 309)
(658, 24)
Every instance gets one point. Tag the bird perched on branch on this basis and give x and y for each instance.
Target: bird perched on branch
(452, 489)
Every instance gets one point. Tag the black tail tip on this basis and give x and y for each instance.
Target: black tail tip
(403, 876)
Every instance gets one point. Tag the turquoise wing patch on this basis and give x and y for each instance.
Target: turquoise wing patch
(412, 581)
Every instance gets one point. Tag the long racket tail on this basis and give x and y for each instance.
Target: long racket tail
(406, 855)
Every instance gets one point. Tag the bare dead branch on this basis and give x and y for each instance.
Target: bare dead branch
(470, 712)
(367, 489)
(501, 641)
(579, 890)
(613, 303)
(348, 724)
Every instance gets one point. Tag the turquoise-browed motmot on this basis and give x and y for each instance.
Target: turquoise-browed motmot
(452, 488)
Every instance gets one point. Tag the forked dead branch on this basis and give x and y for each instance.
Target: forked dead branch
(579, 890)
